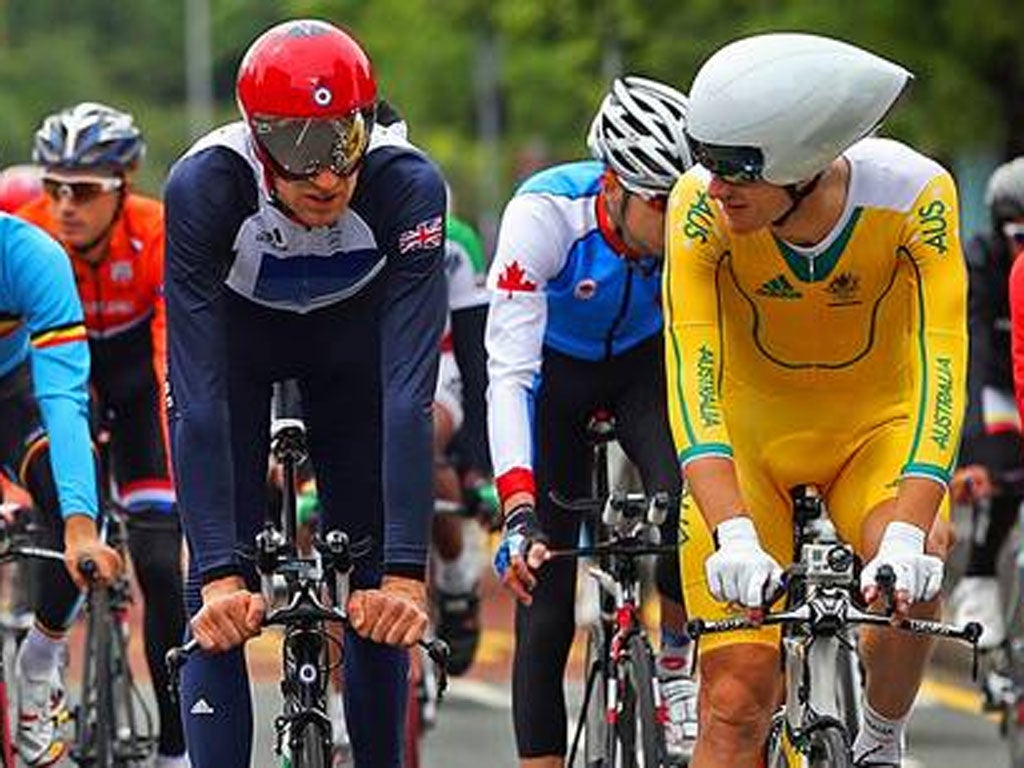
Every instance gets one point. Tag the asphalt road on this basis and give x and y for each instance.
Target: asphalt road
(947, 731)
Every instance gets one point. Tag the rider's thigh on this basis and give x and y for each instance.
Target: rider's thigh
(740, 686)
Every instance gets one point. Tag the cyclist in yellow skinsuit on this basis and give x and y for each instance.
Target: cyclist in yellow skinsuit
(815, 301)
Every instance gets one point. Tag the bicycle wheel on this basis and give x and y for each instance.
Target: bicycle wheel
(102, 731)
(828, 748)
(639, 736)
(848, 689)
(595, 726)
(313, 749)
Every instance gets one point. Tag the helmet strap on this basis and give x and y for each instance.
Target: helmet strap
(797, 194)
(614, 228)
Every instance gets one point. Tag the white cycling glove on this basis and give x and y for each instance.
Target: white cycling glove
(902, 548)
(741, 571)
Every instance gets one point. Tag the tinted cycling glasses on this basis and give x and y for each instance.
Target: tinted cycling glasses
(80, 189)
(301, 148)
(732, 164)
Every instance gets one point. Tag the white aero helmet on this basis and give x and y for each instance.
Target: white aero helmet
(781, 107)
(639, 132)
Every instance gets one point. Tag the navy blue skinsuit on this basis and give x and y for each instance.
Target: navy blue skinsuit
(354, 312)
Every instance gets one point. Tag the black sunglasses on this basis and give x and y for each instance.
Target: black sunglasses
(733, 164)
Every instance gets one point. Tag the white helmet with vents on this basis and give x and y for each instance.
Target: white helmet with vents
(782, 107)
(89, 136)
(639, 132)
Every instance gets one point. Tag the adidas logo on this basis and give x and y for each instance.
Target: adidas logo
(201, 707)
(779, 287)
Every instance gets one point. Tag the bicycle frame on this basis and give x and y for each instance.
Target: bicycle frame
(305, 665)
(629, 520)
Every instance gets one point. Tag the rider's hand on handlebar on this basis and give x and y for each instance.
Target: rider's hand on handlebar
(230, 615)
(740, 571)
(971, 483)
(522, 550)
(82, 543)
(918, 575)
(395, 614)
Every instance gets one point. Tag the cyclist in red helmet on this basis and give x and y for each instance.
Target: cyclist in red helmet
(304, 242)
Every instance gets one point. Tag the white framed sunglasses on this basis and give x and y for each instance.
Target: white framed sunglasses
(79, 189)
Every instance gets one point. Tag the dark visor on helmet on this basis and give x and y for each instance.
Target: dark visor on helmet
(300, 148)
(729, 163)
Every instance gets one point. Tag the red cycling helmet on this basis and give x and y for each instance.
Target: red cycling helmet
(307, 91)
(18, 185)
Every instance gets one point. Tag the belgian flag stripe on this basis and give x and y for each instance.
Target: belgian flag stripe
(65, 334)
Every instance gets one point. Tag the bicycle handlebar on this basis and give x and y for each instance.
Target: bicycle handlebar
(436, 649)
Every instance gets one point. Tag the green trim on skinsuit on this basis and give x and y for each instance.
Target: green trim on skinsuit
(928, 470)
(824, 262)
(665, 283)
(723, 450)
(915, 443)
(762, 350)
(462, 233)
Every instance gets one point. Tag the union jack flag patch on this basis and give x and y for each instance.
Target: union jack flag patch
(426, 234)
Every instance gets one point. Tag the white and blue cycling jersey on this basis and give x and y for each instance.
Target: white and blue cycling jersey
(253, 295)
(557, 282)
(41, 321)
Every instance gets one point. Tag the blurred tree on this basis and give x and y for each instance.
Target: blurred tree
(553, 62)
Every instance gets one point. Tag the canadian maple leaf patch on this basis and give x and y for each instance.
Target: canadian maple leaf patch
(513, 279)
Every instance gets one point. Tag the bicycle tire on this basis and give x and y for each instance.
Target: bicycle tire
(103, 731)
(314, 748)
(639, 736)
(829, 748)
(848, 689)
(595, 726)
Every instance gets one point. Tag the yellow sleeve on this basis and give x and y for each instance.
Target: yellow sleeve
(694, 250)
(930, 238)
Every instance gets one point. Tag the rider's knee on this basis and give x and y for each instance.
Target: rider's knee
(739, 692)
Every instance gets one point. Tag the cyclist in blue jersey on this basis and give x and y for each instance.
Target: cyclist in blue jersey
(575, 326)
(45, 448)
(304, 242)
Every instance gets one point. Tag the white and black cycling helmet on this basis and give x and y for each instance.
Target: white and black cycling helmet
(1004, 194)
(89, 136)
(782, 107)
(639, 132)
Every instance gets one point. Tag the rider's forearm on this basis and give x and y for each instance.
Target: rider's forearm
(917, 502)
(715, 488)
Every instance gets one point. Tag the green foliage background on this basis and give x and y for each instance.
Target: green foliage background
(555, 59)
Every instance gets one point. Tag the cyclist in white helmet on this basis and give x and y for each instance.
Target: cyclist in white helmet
(816, 314)
(574, 326)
